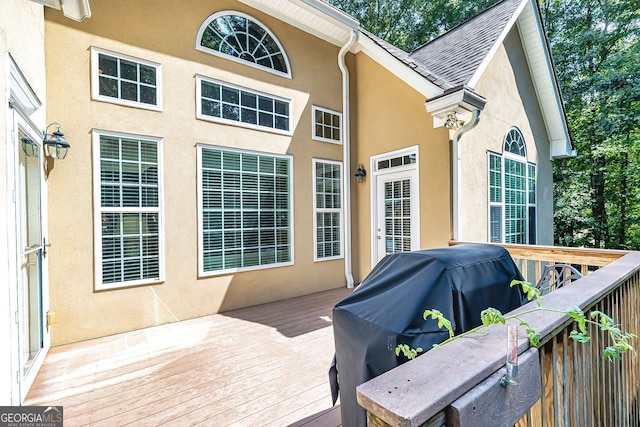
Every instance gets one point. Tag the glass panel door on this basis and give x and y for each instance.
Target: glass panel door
(397, 213)
(31, 302)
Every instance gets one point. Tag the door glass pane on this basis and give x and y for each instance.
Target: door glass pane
(31, 309)
(397, 212)
(30, 241)
(31, 230)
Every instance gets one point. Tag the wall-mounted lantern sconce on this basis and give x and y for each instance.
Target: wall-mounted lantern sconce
(29, 147)
(55, 145)
(360, 174)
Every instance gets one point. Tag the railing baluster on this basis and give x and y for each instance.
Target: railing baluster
(582, 388)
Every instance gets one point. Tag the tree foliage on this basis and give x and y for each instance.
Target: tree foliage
(596, 51)
(595, 45)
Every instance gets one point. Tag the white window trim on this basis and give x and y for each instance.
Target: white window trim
(317, 210)
(214, 52)
(95, 84)
(411, 169)
(495, 204)
(502, 204)
(315, 137)
(97, 212)
(200, 116)
(201, 272)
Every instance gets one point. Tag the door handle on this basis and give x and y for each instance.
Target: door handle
(45, 245)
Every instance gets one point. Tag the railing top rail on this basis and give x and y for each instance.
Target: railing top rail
(412, 393)
(586, 256)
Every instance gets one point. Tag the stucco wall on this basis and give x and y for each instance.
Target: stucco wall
(510, 102)
(391, 116)
(22, 36)
(159, 32)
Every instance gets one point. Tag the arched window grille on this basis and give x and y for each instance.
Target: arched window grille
(237, 36)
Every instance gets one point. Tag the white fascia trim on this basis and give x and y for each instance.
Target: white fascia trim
(76, 9)
(545, 83)
(396, 67)
(487, 59)
(333, 13)
(337, 25)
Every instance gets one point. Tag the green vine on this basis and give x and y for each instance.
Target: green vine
(491, 316)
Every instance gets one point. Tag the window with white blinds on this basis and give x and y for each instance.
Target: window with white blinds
(512, 193)
(328, 209)
(245, 210)
(128, 230)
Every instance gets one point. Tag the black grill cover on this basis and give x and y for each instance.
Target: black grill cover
(387, 308)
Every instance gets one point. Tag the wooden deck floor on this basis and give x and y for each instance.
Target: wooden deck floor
(260, 366)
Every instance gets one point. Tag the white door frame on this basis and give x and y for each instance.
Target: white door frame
(381, 174)
(26, 378)
(24, 112)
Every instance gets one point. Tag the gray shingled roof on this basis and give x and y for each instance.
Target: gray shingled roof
(456, 55)
(404, 57)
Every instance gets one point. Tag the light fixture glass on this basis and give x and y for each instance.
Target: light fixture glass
(29, 147)
(56, 146)
(360, 173)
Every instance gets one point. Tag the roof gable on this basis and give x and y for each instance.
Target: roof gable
(457, 55)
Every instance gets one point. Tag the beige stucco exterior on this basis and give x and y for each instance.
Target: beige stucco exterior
(27, 50)
(512, 101)
(139, 29)
(387, 114)
(390, 116)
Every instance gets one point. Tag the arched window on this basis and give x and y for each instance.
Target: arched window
(514, 143)
(236, 36)
(512, 193)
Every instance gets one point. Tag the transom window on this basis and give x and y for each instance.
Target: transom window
(235, 105)
(327, 125)
(512, 193)
(245, 210)
(239, 37)
(394, 162)
(126, 80)
(128, 223)
(327, 204)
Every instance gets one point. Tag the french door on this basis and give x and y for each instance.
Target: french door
(395, 205)
(32, 290)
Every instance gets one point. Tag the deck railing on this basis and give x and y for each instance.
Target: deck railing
(560, 383)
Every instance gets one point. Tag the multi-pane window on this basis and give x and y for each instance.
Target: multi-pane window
(128, 229)
(245, 210)
(326, 125)
(495, 197)
(239, 37)
(328, 209)
(407, 159)
(397, 215)
(512, 193)
(222, 102)
(125, 80)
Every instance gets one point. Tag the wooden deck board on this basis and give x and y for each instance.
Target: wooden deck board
(263, 365)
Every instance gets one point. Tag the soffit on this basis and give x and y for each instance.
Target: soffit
(541, 66)
(312, 16)
(73, 9)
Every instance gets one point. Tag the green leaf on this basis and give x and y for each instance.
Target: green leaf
(491, 316)
(579, 337)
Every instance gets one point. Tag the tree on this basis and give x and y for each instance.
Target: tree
(595, 47)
